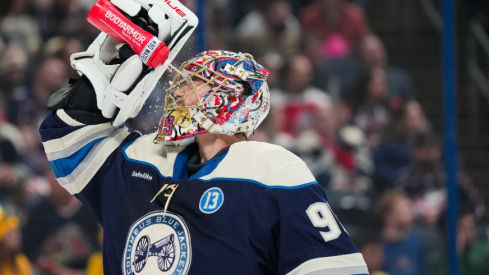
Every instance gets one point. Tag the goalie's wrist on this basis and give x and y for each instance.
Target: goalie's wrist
(78, 94)
(87, 117)
(78, 99)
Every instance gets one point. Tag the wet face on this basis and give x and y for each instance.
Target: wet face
(190, 93)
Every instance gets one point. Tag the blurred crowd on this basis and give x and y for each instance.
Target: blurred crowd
(336, 102)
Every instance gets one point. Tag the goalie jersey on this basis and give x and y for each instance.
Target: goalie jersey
(254, 208)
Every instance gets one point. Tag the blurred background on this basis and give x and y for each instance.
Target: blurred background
(357, 93)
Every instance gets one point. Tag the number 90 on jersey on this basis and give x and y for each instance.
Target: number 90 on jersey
(321, 216)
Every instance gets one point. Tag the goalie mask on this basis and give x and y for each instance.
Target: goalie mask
(216, 92)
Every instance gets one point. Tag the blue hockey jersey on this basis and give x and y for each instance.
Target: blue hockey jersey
(254, 208)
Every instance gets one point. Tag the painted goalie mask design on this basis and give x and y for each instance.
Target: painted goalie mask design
(237, 99)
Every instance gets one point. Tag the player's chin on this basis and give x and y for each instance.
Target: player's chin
(188, 103)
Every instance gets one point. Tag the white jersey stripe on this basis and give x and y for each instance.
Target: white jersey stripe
(84, 172)
(337, 265)
(80, 144)
(359, 270)
(67, 119)
(56, 145)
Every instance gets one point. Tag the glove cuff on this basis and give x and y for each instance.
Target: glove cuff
(86, 117)
(79, 101)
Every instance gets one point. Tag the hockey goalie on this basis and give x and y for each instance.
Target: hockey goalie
(196, 197)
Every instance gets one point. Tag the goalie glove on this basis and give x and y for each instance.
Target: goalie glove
(94, 63)
(133, 82)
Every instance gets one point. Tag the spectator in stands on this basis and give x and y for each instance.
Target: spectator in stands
(219, 29)
(425, 182)
(331, 31)
(35, 161)
(337, 69)
(13, 171)
(13, 174)
(297, 101)
(274, 63)
(327, 17)
(18, 28)
(45, 18)
(70, 16)
(61, 233)
(392, 155)
(270, 131)
(373, 54)
(27, 107)
(472, 252)
(65, 18)
(373, 106)
(50, 76)
(403, 248)
(12, 260)
(416, 120)
(338, 156)
(13, 66)
(62, 48)
(372, 249)
(12, 133)
(95, 262)
(312, 47)
(271, 29)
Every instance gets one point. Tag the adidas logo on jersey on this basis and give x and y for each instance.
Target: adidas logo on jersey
(145, 176)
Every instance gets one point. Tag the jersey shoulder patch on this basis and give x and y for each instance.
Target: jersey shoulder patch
(265, 164)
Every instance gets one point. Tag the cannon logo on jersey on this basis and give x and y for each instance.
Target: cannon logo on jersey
(212, 200)
(158, 244)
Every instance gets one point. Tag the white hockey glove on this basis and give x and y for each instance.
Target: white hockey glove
(133, 82)
(94, 64)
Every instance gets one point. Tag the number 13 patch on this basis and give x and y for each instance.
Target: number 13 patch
(212, 200)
